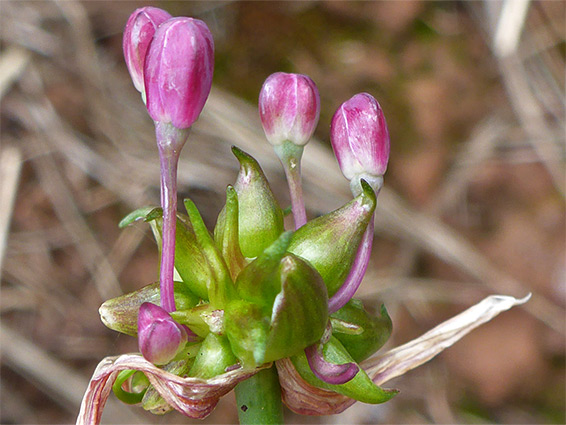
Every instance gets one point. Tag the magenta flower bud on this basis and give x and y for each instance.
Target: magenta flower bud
(360, 138)
(178, 71)
(160, 337)
(138, 33)
(289, 108)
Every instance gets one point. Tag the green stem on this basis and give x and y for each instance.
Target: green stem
(290, 156)
(259, 399)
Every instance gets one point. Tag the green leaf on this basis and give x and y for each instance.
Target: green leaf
(260, 217)
(360, 388)
(137, 215)
(214, 356)
(121, 313)
(372, 331)
(220, 286)
(226, 234)
(330, 242)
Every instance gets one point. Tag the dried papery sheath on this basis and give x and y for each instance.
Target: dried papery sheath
(193, 397)
(138, 34)
(289, 108)
(178, 71)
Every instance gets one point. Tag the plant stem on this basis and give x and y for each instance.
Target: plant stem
(170, 140)
(290, 156)
(357, 272)
(169, 204)
(259, 399)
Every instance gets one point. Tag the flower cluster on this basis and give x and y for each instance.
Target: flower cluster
(231, 302)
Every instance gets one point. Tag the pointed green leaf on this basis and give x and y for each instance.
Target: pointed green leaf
(373, 330)
(330, 242)
(137, 215)
(220, 287)
(359, 388)
(226, 234)
(260, 217)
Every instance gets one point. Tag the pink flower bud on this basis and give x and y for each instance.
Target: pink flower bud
(178, 71)
(138, 33)
(359, 137)
(160, 338)
(289, 108)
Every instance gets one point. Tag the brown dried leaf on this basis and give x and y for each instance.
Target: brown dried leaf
(193, 397)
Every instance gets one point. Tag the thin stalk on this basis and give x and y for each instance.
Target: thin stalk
(169, 163)
(290, 156)
(259, 399)
(170, 140)
(357, 272)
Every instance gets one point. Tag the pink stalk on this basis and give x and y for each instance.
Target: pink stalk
(170, 140)
(357, 272)
(330, 373)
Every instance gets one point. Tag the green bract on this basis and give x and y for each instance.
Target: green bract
(260, 217)
(330, 242)
(360, 388)
(278, 293)
(359, 332)
(121, 313)
(253, 293)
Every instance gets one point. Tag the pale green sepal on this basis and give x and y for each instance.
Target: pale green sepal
(360, 388)
(121, 313)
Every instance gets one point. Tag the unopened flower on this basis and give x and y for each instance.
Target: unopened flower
(178, 71)
(289, 108)
(138, 33)
(160, 337)
(360, 140)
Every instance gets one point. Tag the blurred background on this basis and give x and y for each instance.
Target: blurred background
(473, 204)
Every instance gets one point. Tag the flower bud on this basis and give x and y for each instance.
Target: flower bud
(138, 33)
(160, 337)
(178, 71)
(289, 108)
(360, 139)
